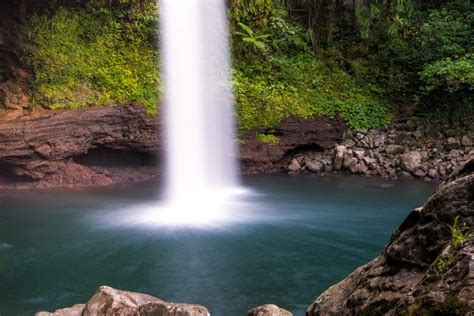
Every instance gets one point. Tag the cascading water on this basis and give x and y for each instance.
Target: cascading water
(201, 154)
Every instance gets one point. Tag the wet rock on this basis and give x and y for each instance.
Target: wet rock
(393, 150)
(350, 163)
(314, 166)
(294, 166)
(268, 310)
(109, 301)
(420, 271)
(75, 310)
(362, 167)
(370, 162)
(411, 161)
(406, 176)
(339, 157)
(433, 173)
(420, 173)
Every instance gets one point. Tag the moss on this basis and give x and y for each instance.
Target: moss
(83, 58)
(268, 138)
(451, 306)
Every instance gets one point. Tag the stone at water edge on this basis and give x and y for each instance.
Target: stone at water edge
(268, 310)
(411, 161)
(75, 310)
(109, 301)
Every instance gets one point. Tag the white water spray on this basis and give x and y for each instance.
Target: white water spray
(201, 154)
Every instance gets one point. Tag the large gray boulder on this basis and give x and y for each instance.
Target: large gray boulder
(268, 310)
(426, 269)
(108, 301)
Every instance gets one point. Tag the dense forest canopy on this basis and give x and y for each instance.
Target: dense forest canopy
(365, 60)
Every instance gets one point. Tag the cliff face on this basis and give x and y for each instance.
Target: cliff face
(54, 148)
(428, 266)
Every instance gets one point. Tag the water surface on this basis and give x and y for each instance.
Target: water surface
(58, 247)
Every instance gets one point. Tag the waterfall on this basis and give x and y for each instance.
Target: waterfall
(198, 112)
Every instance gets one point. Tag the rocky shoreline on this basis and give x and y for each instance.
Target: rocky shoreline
(406, 151)
(112, 145)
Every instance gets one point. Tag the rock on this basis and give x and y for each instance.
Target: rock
(76, 310)
(268, 310)
(339, 157)
(350, 163)
(40, 147)
(419, 173)
(433, 173)
(294, 166)
(406, 176)
(109, 301)
(362, 167)
(328, 168)
(422, 271)
(362, 131)
(393, 150)
(359, 154)
(314, 166)
(452, 143)
(13, 96)
(294, 134)
(411, 161)
(377, 141)
(340, 151)
(349, 143)
(466, 141)
(370, 162)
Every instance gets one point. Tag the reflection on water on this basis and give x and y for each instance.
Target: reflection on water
(284, 244)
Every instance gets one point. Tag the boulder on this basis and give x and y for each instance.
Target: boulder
(268, 310)
(109, 301)
(359, 154)
(433, 173)
(452, 143)
(314, 166)
(75, 310)
(393, 150)
(411, 161)
(294, 166)
(427, 267)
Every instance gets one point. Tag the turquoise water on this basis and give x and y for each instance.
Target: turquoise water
(58, 247)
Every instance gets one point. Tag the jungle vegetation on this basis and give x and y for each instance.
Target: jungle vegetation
(367, 61)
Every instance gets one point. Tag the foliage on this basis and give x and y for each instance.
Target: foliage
(268, 138)
(252, 43)
(88, 57)
(266, 95)
(459, 235)
(420, 52)
(254, 13)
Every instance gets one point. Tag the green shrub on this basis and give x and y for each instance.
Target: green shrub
(83, 58)
(303, 85)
